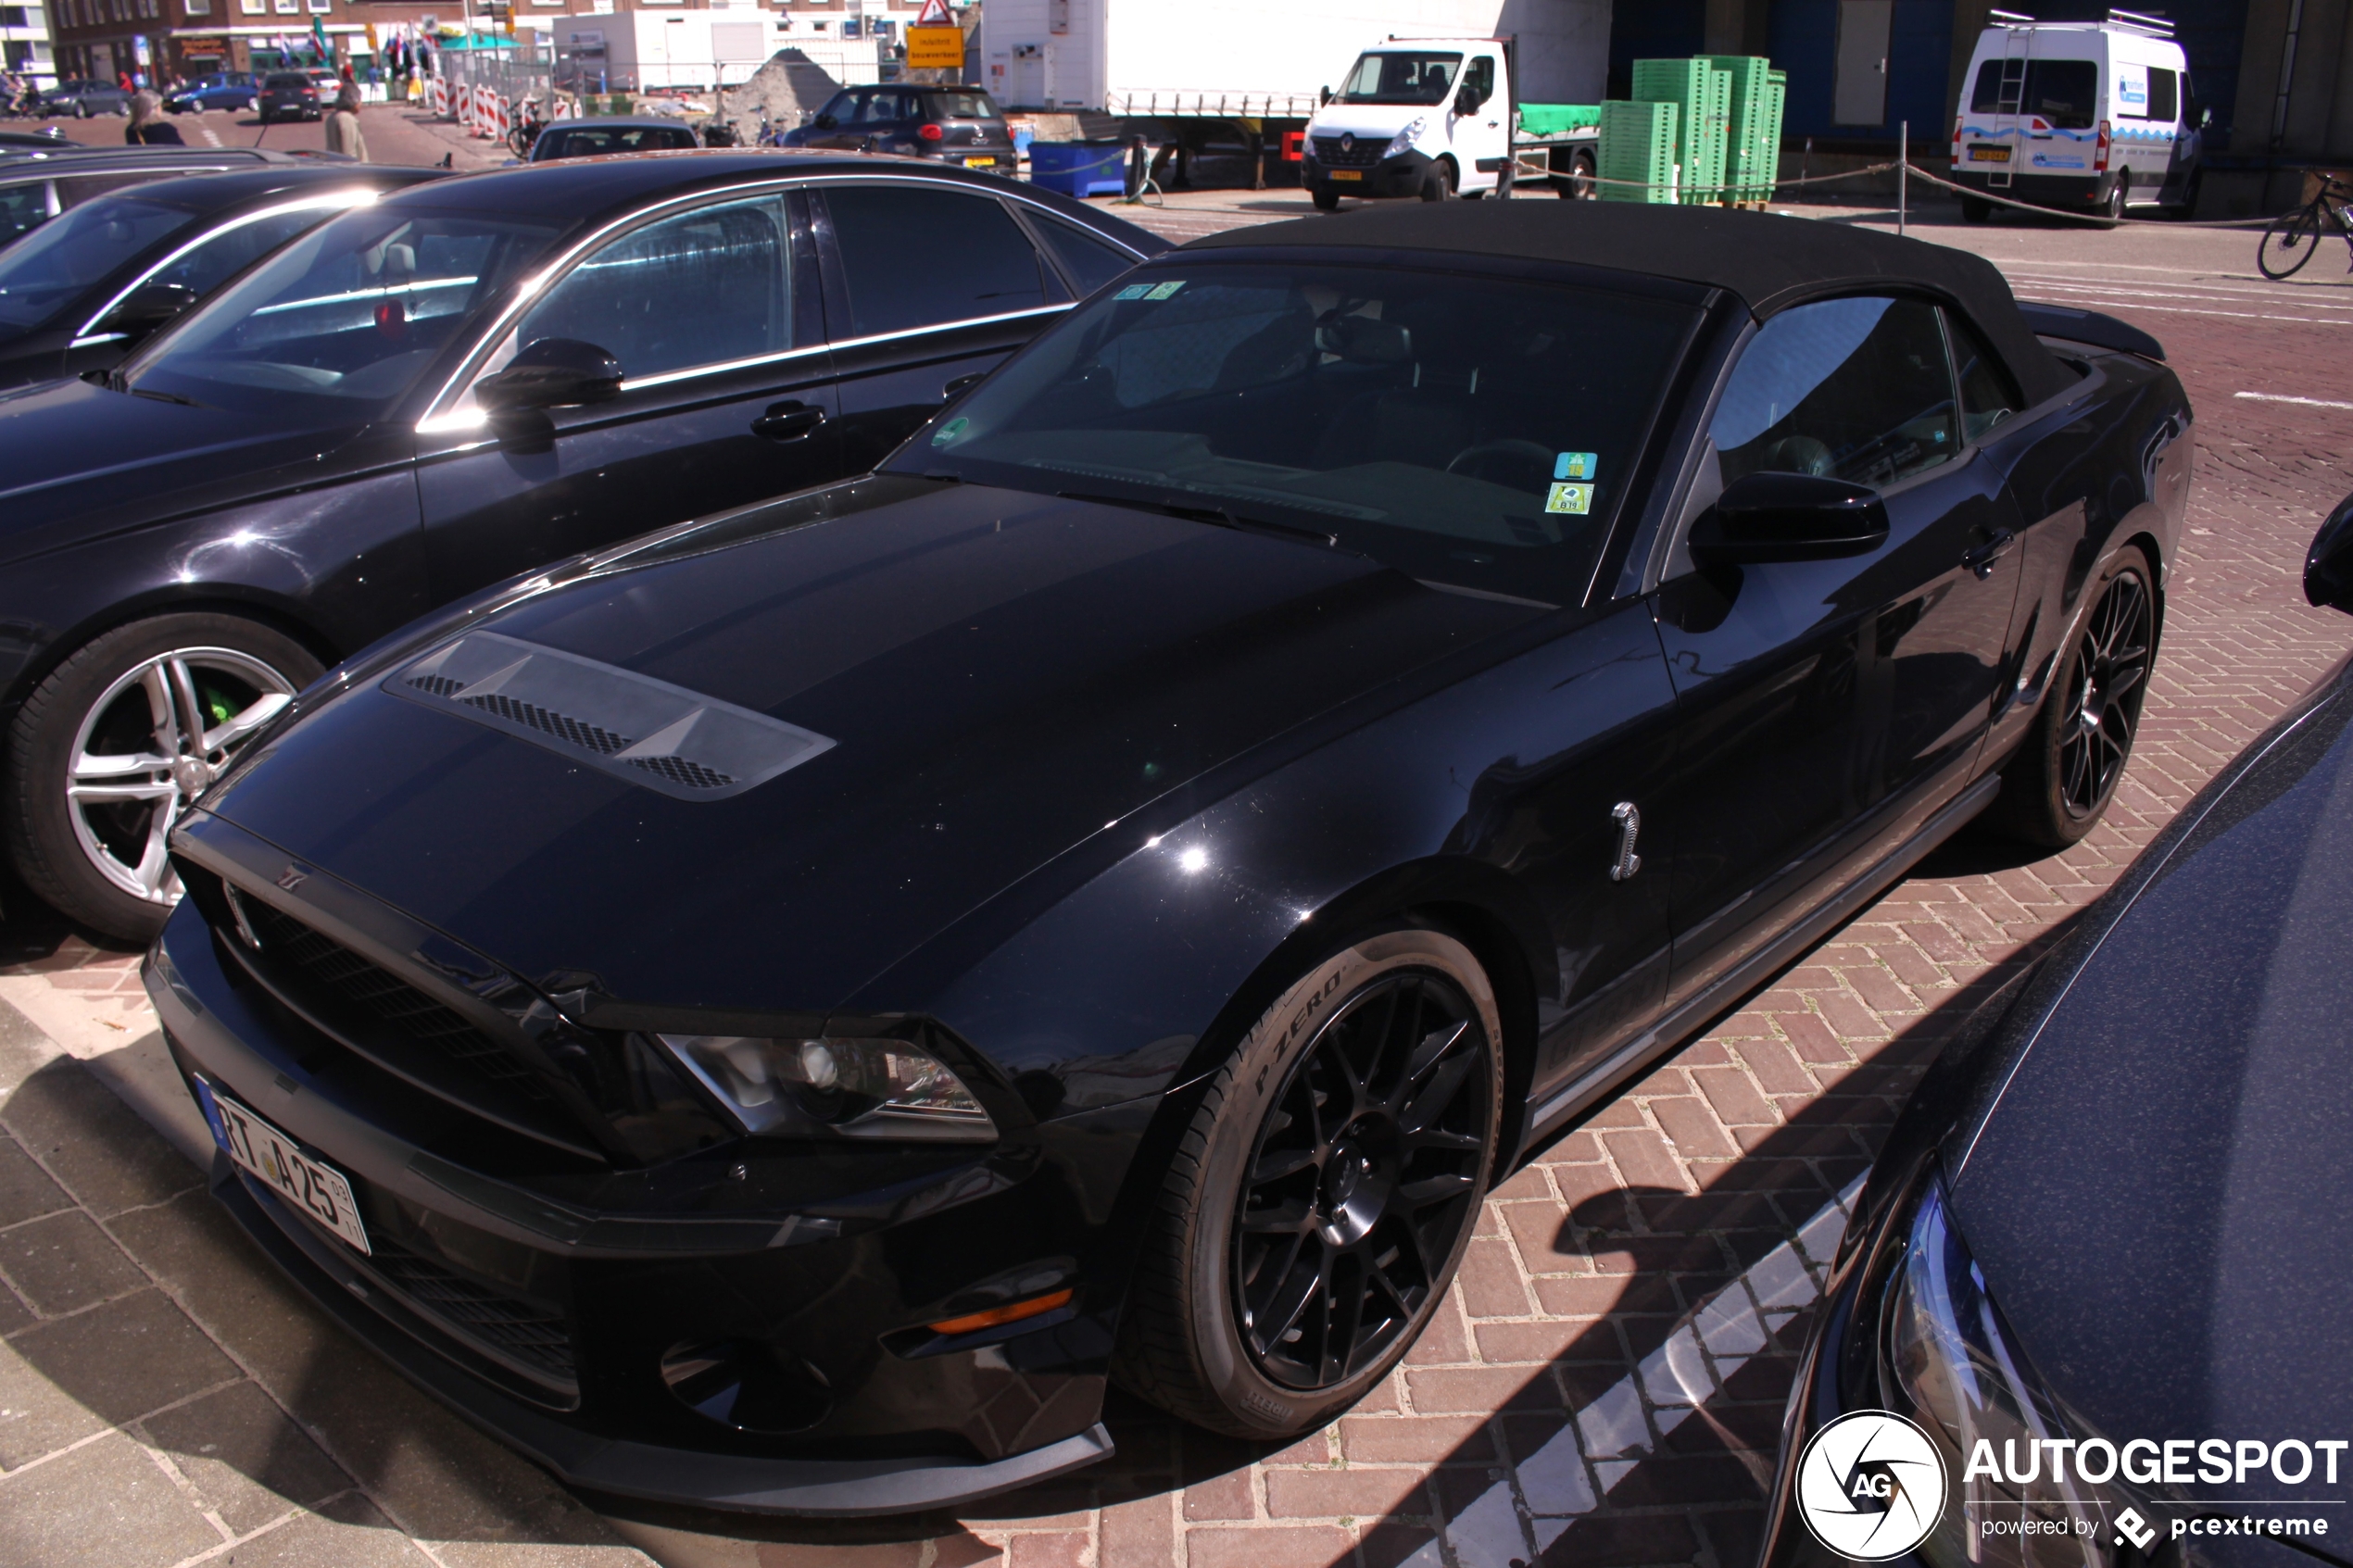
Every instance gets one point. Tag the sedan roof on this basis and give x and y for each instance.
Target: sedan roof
(1770, 261)
(217, 193)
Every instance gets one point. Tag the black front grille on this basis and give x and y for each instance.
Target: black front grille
(535, 1337)
(332, 967)
(1331, 154)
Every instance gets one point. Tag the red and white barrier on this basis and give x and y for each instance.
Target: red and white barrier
(438, 94)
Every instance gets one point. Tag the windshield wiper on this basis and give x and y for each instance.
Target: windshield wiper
(161, 396)
(1217, 515)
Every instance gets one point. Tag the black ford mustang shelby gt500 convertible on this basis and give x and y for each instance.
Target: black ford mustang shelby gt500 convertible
(778, 1012)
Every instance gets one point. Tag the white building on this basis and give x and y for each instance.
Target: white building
(24, 42)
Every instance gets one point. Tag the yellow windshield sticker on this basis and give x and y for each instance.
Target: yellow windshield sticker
(1577, 498)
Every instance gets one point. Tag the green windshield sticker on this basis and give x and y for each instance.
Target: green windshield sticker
(1575, 465)
(1578, 498)
(1134, 291)
(956, 427)
(1162, 291)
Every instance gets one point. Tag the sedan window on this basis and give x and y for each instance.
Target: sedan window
(204, 267)
(1469, 430)
(60, 259)
(336, 327)
(1091, 261)
(920, 257)
(1987, 395)
(702, 288)
(1855, 389)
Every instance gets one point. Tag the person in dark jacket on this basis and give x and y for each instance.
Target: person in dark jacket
(148, 125)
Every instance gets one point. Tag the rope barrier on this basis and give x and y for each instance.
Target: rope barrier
(2089, 217)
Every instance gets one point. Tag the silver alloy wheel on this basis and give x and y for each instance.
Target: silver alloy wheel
(195, 708)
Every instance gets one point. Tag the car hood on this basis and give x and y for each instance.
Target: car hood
(1000, 676)
(1372, 122)
(2160, 1197)
(78, 458)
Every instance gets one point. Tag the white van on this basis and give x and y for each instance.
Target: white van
(1428, 117)
(2088, 117)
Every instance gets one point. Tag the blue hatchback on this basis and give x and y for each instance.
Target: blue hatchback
(221, 90)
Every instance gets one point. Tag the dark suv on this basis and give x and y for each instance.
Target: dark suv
(289, 94)
(958, 124)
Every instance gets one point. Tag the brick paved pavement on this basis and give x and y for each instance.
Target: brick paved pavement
(1603, 1385)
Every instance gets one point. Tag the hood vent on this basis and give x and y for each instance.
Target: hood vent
(649, 732)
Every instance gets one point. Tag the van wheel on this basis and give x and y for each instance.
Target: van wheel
(1326, 200)
(2113, 210)
(1976, 209)
(1437, 185)
(1580, 185)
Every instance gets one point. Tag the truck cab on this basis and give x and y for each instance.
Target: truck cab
(1426, 117)
(2088, 117)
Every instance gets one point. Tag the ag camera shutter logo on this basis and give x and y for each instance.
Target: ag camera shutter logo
(1870, 1485)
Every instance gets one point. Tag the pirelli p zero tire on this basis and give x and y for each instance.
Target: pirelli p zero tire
(114, 743)
(1322, 1196)
(2059, 786)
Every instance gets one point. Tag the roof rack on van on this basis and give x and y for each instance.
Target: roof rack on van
(2009, 18)
(2123, 21)
(2134, 21)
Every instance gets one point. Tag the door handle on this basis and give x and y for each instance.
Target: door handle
(961, 382)
(1629, 827)
(1982, 558)
(788, 421)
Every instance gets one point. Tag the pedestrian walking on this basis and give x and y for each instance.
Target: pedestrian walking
(342, 125)
(147, 126)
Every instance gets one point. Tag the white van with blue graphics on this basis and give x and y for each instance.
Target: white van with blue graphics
(2084, 116)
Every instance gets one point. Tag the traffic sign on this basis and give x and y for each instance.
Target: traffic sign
(933, 14)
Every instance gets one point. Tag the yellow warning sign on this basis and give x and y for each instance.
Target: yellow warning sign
(934, 48)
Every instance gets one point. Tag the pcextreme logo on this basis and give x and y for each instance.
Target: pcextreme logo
(1870, 1485)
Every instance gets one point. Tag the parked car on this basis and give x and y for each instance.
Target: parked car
(83, 98)
(37, 187)
(84, 291)
(289, 94)
(45, 141)
(220, 90)
(2161, 1098)
(592, 138)
(1113, 889)
(297, 468)
(957, 124)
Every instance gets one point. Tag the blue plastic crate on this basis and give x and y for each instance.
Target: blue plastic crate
(1080, 168)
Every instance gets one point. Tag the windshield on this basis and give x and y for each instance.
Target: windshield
(1392, 77)
(341, 323)
(50, 266)
(1470, 431)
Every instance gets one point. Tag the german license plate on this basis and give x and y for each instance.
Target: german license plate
(1989, 154)
(1348, 174)
(980, 163)
(259, 1147)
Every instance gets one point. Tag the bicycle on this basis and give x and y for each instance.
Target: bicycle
(2289, 242)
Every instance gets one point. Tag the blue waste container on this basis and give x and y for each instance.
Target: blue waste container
(1080, 168)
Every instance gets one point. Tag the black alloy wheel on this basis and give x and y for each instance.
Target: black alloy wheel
(1322, 1192)
(2059, 783)
(2109, 676)
(1363, 1181)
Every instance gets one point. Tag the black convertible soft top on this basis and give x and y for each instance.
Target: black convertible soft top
(1770, 262)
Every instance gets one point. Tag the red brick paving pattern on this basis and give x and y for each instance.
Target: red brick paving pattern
(1591, 1262)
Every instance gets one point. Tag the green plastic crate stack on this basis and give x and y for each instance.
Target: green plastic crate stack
(1746, 153)
(1702, 96)
(1637, 151)
(1769, 133)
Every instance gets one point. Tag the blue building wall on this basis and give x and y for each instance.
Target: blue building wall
(1803, 39)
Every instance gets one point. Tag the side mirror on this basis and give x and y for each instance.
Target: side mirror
(147, 308)
(1323, 96)
(2328, 566)
(555, 373)
(1787, 517)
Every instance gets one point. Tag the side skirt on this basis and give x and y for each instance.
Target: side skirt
(1686, 1021)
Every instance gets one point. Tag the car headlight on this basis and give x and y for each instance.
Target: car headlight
(852, 1087)
(1403, 141)
(1947, 1359)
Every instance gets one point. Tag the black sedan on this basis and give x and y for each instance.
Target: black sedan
(599, 136)
(36, 185)
(80, 293)
(2097, 1270)
(439, 390)
(1106, 894)
(290, 95)
(955, 124)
